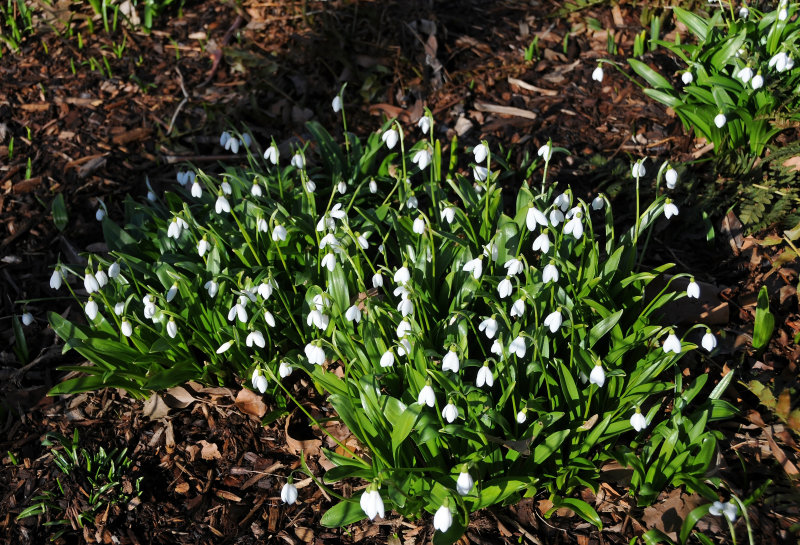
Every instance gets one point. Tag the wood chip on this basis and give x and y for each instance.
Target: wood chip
(528, 87)
(504, 110)
(225, 495)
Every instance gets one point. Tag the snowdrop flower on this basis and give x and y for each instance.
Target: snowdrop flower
(271, 154)
(377, 280)
(556, 217)
(518, 347)
(464, 483)
(422, 158)
(693, 290)
(172, 328)
(488, 326)
(212, 288)
(597, 74)
(553, 321)
(450, 362)
(670, 209)
(232, 144)
(222, 205)
(672, 344)
(522, 416)
(474, 266)
(426, 396)
(598, 203)
(101, 277)
(424, 124)
(224, 347)
(757, 82)
(284, 369)
(513, 266)
(238, 311)
(372, 503)
(638, 421)
(298, 162)
(279, 233)
(443, 518)
(687, 78)
(183, 177)
(597, 376)
(319, 319)
(562, 201)
(419, 225)
(342, 187)
(336, 104)
(533, 217)
(491, 250)
(373, 186)
(744, 13)
(450, 413)
(197, 190)
(255, 190)
(113, 270)
(481, 152)
(783, 14)
(484, 377)
(574, 226)
(549, 273)
(315, 353)
(497, 348)
(480, 173)
(329, 261)
(90, 282)
(329, 220)
(542, 242)
(27, 317)
(259, 381)
(545, 152)
(100, 214)
(504, 288)
(90, 310)
(269, 318)
(402, 276)
(671, 176)
(353, 314)
(390, 138)
(745, 74)
(405, 307)
(518, 308)
(172, 292)
(638, 169)
(449, 214)
(781, 61)
(719, 508)
(387, 359)
(412, 202)
(288, 493)
(126, 328)
(255, 337)
(203, 246)
(119, 308)
(709, 341)
(224, 138)
(149, 307)
(720, 120)
(402, 329)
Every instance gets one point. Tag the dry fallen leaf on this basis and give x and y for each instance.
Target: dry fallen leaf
(155, 408)
(250, 403)
(178, 397)
(210, 451)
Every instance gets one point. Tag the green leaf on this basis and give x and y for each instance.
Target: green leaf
(656, 537)
(664, 98)
(696, 24)
(765, 321)
(544, 450)
(651, 76)
(59, 211)
(691, 519)
(343, 513)
(580, 507)
(604, 326)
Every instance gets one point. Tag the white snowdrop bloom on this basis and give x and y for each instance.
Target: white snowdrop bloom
(298, 162)
(533, 217)
(318, 319)
(574, 227)
(426, 396)
(728, 509)
(329, 220)
(670, 209)
(553, 321)
(474, 266)
(488, 326)
(450, 362)
(484, 377)
(709, 341)
(402, 329)
(638, 421)
(172, 292)
(497, 348)
(387, 359)
(693, 290)
(126, 328)
(224, 347)
(449, 214)
(402, 275)
(279, 233)
(720, 120)
(518, 308)
(212, 288)
(412, 202)
(271, 154)
(232, 144)
(450, 413)
(261, 225)
(597, 376)
(638, 170)
(424, 124)
(401, 291)
(149, 307)
(687, 78)
(260, 384)
(372, 503)
(202, 247)
(172, 328)
(779, 61)
(390, 138)
(556, 217)
(545, 152)
(405, 307)
(442, 519)
(182, 177)
(247, 140)
(197, 190)
(491, 250)
(422, 158)
(373, 186)
(419, 225)
(362, 241)
(480, 152)
(597, 74)
(100, 214)
(255, 337)
(549, 273)
(288, 493)
(377, 280)
(113, 270)
(342, 187)
(504, 288)
(513, 266)
(329, 261)
(353, 314)
(745, 74)
(672, 344)
(480, 173)
(518, 347)
(315, 354)
(671, 177)
(757, 82)
(404, 348)
(562, 201)
(522, 416)
(284, 369)
(542, 242)
(269, 318)
(90, 283)
(238, 311)
(119, 308)
(226, 188)
(744, 13)
(598, 203)
(464, 483)
(224, 138)
(222, 205)
(255, 190)
(27, 317)
(336, 104)
(101, 278)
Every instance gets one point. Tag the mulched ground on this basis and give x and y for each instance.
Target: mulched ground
(90, 131)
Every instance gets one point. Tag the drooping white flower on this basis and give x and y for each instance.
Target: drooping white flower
(597, 74)
(522, 416)
(238, 311)
(403, 328)
(450, 362)
(329, 261)
(419, 225)
(553, 321)
(464, 483)
(100, 214)
(255, 337)
(556, 217)
(212, 288)
(780, 61)
(638, 421)
(562, 201)
(126, 328)
(450, 413)
(672, 344)
(119, 308)
(101, 277)
(488, 326)
(377, 280)
(202, 247)
(693, 290)
(390, 138)
(172, 328)
(442, 519)
(513, 266)
(638, 170)
(405, 307)
(284, 369)
(597, 376)
(373, 186)
(542, 242)
(342, 187)
(598, 203)
(113, 270)
(271, 154)
(491, 250)
(315, 353)
(719, 508)
(149, 307)
(709, 341)
(757, 82)
(260, 383)
(298, 161)
(549, 273)
(687, 77)
(533, 217)
(518, 347)
(720, 120)
(744, 13)
(412, 202)
(197, 190)
(518, 308)
(90, 283)
(387, 359)
(224, 138)
(232, 144)
(224, 347)
(318, 319)
(504, 288)
(424, 124)
(269, 318)
(27, 317)
(484, 377)
(671, 176)
(255, 190)
(783, 14)
(372, 503)
(480, 173)
(574, 227)
(402, 276)
(497, 348)
(426, 396)
(449, 214)
(353, 314)
(745, 74)
(222, 205)
(481, 152)
(545, 152)
(182, 177)
(55, 280)
(474, 266)
(311, 186)
(336, 104)
(670, 209)
(289, 492)
(422, 158)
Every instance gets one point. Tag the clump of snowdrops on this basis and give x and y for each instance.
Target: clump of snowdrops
(481, 346)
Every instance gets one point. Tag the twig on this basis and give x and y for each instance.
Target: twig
(218, 54)
(183, 102)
